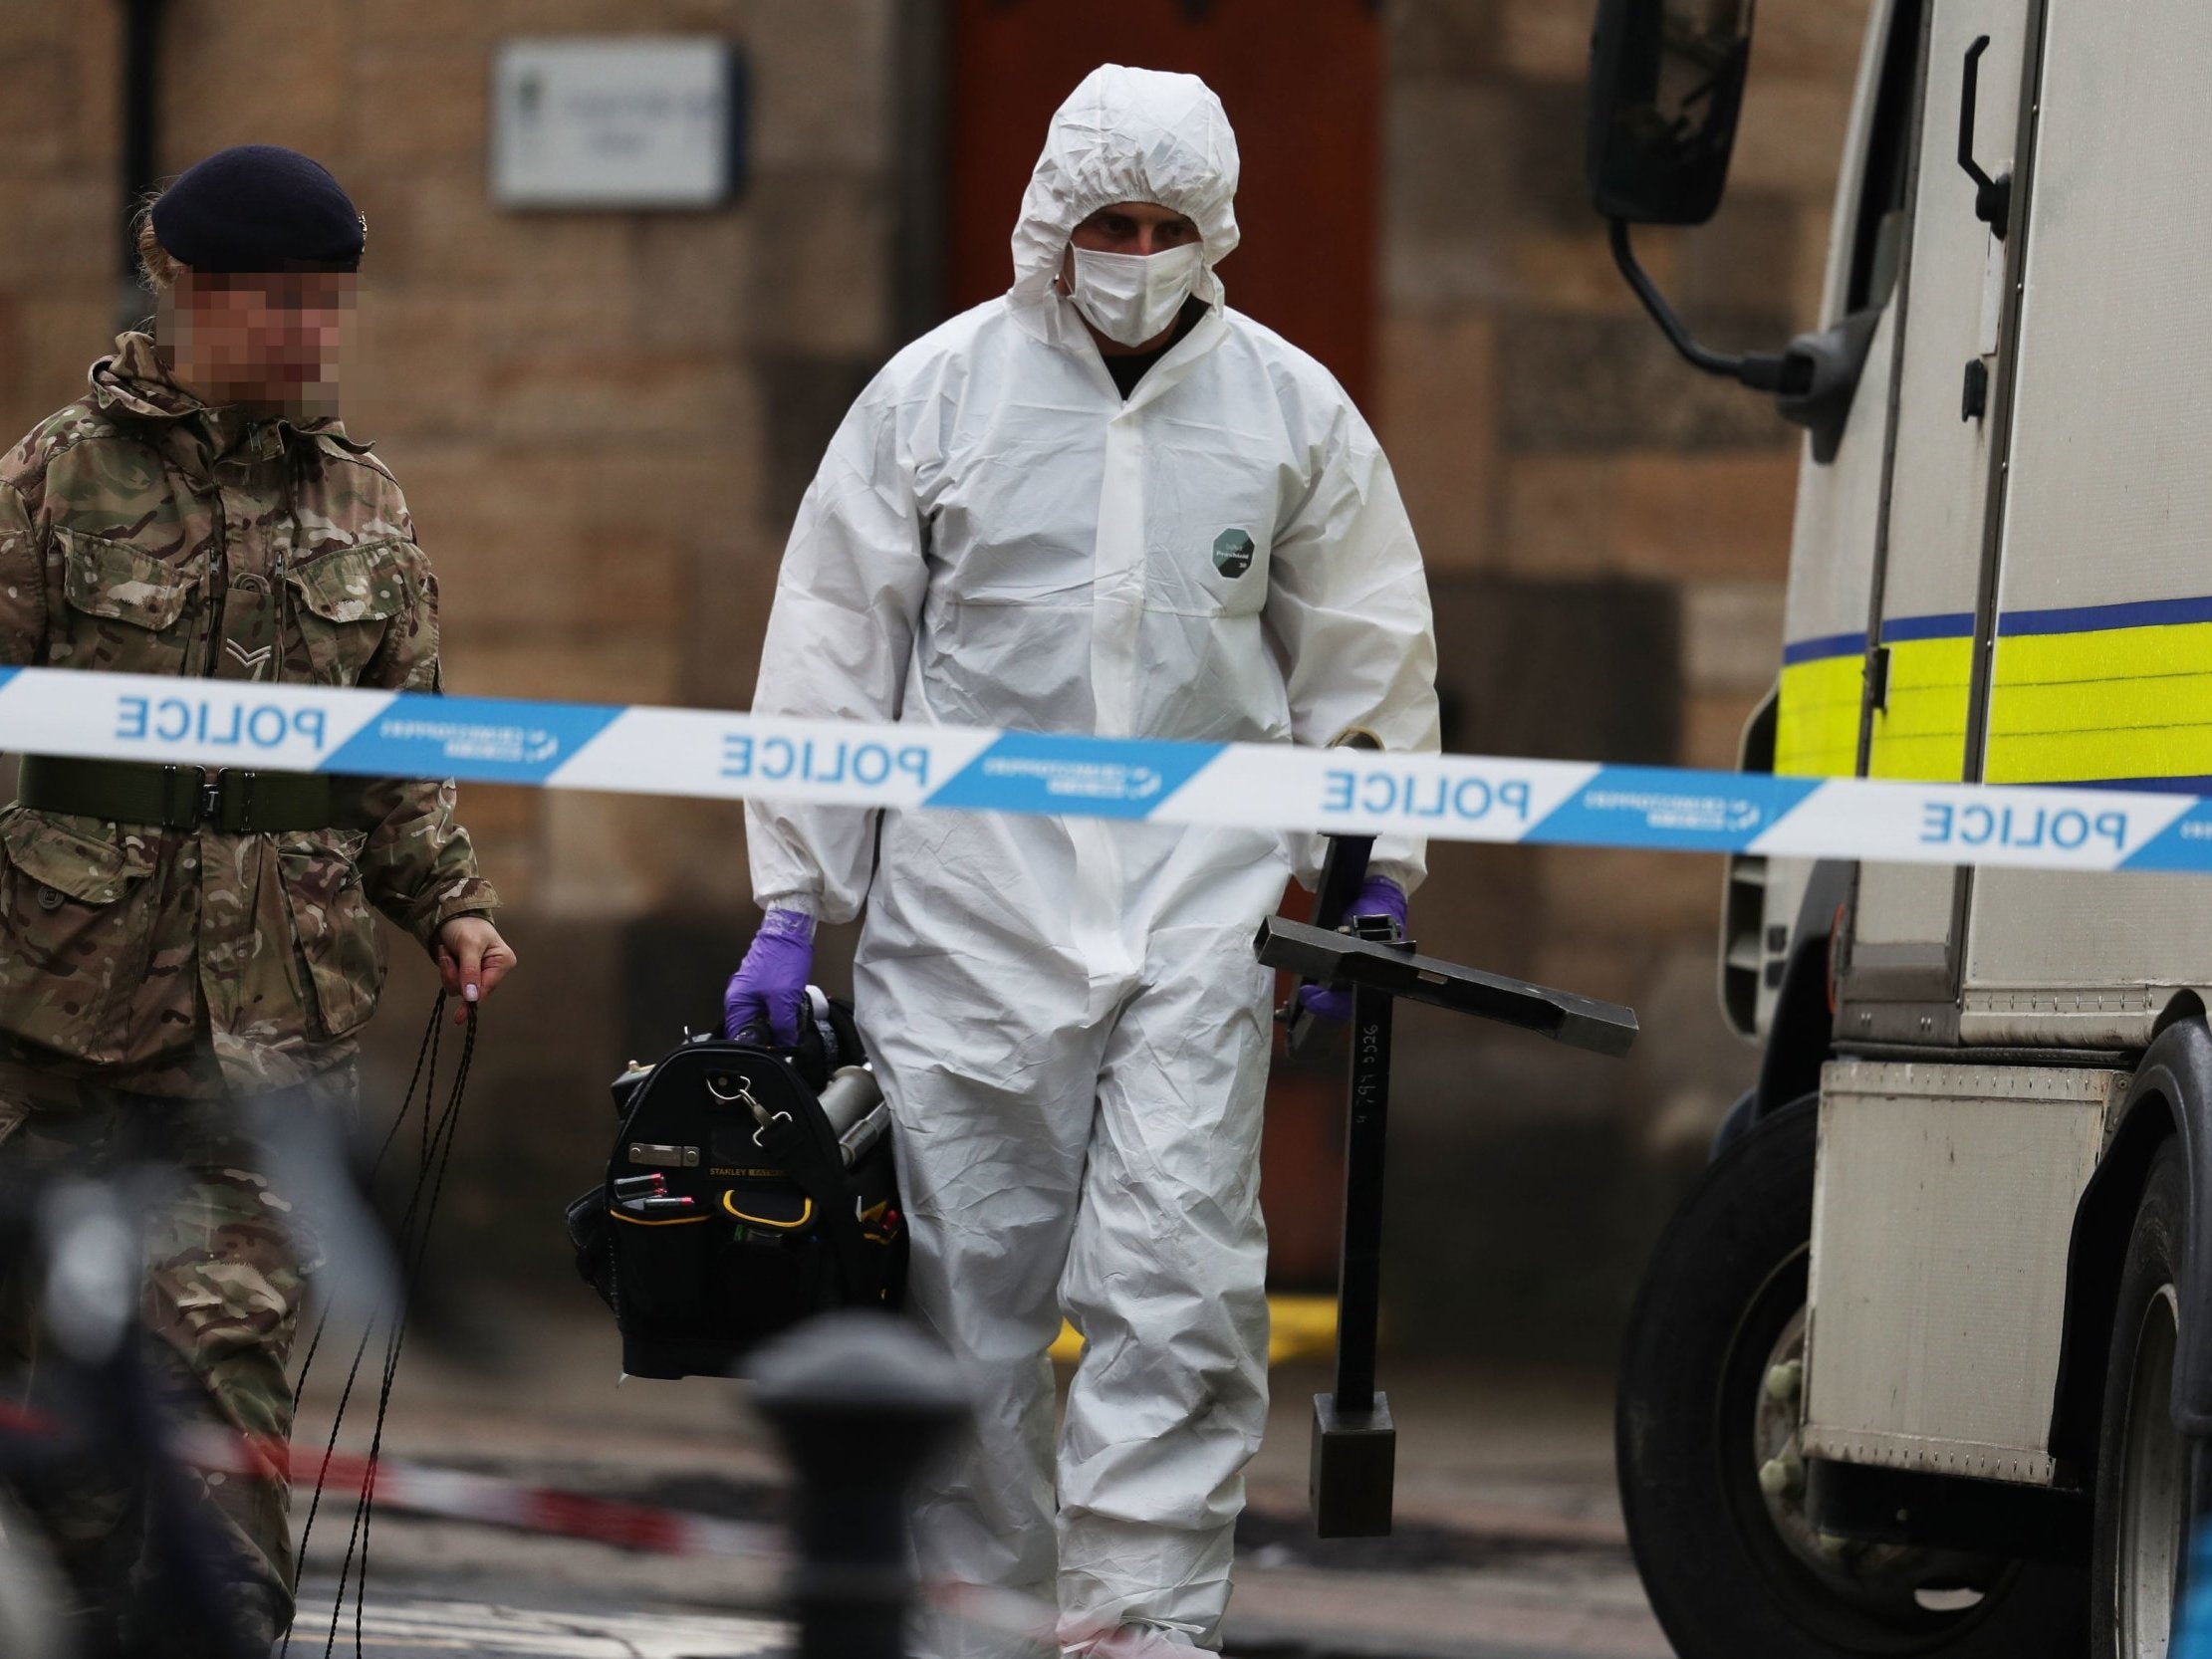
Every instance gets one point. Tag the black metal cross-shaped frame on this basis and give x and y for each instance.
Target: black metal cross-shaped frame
(1354, 1440)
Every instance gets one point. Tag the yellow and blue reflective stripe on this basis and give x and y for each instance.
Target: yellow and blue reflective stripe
(1919, 732)
(2111, 695)
(1823, 691)
(2105, 694)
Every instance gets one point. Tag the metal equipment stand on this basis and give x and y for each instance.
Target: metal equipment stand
(1355, 1449)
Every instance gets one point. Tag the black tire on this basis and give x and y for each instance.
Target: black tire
(1726, 1576)
(2143, 1467)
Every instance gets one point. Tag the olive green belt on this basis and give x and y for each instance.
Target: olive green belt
(178, 797)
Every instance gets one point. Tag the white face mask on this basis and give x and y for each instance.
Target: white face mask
(1131, 298)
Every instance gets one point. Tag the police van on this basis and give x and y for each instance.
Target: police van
(1924, 1363)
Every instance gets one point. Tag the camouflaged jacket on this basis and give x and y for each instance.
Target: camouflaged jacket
(129, 522)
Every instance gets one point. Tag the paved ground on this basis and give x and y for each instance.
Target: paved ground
(1508, 1543)
(403, 1625)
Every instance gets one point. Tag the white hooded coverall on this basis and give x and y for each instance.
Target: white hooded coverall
(1066, 1013)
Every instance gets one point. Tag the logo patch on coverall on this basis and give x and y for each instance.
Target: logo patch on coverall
(1232, 552)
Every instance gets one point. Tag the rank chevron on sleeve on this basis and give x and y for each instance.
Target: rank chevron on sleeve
(716, 755)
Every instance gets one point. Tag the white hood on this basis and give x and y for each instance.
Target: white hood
(1130, 134)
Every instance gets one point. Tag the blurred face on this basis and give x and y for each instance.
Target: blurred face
(265, 340)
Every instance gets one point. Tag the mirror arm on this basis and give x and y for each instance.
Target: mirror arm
(1760, 371)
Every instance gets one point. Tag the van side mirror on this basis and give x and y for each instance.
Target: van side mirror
(1666, 84)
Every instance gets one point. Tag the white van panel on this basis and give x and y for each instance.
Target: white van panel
(1839, 511)
(2103, 655)
(1931, 576)
(1851, 178)
(2110, 491)
(2080, 961)
(1839, 503)
(1931, 572)
(1942, 1211)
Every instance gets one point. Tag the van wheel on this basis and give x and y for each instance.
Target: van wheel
(2143, 1460)
(1711, 1478)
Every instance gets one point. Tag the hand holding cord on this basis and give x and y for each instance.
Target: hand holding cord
(473, 959)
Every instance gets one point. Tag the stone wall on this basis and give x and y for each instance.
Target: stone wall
(603, 422)
(1608, 533)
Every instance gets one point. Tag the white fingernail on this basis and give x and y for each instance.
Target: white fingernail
(468, 993)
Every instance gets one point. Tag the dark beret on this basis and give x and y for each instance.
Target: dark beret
(259, 207)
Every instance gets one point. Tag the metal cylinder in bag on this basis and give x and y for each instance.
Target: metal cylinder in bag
(854, 1104)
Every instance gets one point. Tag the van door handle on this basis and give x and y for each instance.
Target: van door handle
(1992, 196)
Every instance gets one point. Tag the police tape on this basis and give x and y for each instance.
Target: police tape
(713, 755)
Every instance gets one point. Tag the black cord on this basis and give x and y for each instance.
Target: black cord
(425, 1075)
(438, 1147)
(415, 1243)
(426, 1051)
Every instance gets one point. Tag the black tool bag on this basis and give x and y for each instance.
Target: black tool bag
(775, 1198)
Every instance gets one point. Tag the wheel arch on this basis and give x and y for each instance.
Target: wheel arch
(2170, 1095)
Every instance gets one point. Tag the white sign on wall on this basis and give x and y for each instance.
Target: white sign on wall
(616, 121)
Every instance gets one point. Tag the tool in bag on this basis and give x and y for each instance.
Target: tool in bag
(1354, 1447)
(750, 1187)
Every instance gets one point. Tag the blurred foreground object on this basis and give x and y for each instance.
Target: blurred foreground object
(863, 1401)
(31, 1593)
(153, 1286)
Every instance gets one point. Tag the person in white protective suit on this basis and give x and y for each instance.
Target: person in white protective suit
(1066, 1012)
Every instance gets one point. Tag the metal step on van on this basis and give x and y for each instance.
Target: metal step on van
(1924, 1364)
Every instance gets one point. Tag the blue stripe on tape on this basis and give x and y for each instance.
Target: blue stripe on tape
(2088, 618)
(1950, 624)
(1683, 812)
(1033, 771)
(2184, 844)
(490, 738)
(1826, 645)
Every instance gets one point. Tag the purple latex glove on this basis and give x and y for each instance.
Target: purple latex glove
(1381, 896)
(771, 981)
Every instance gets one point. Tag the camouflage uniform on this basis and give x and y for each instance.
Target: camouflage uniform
(226, 1265)
(152, 978)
